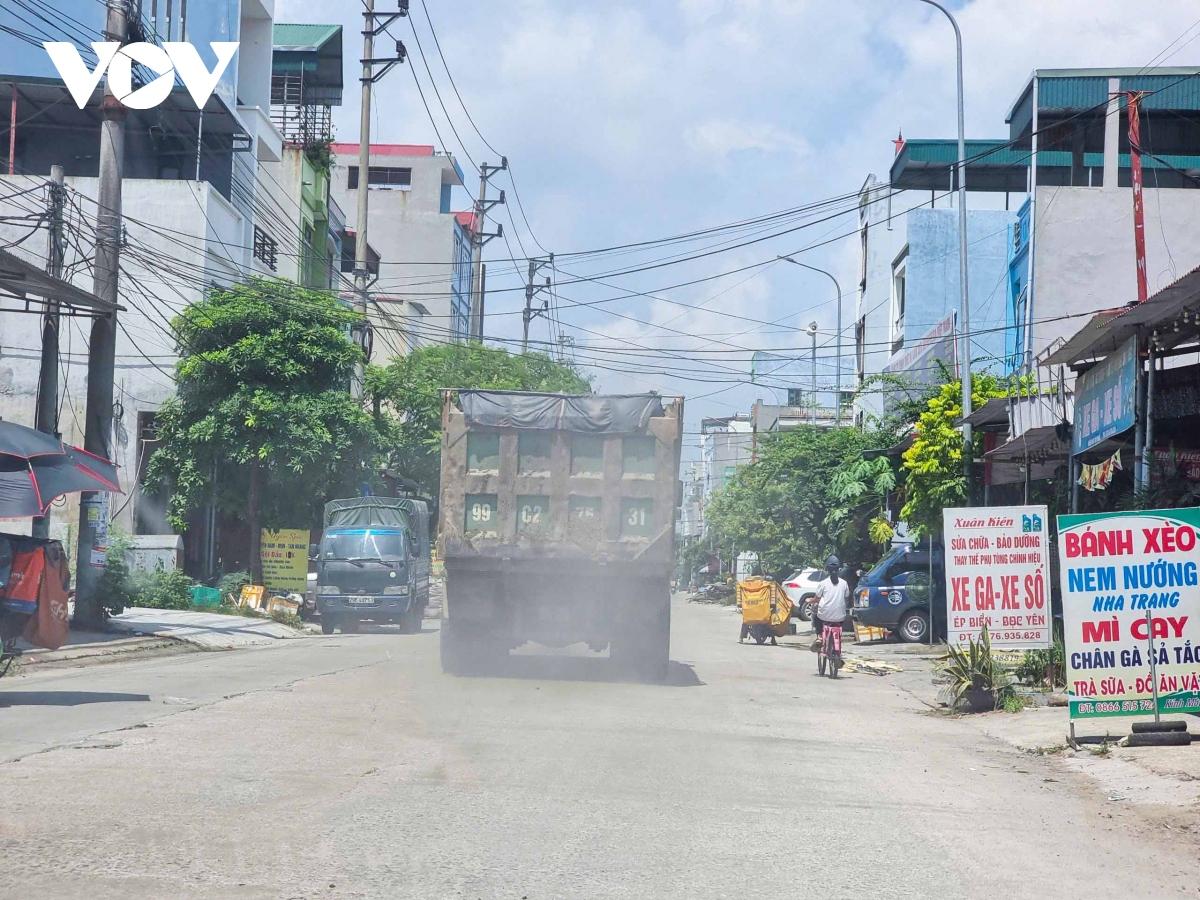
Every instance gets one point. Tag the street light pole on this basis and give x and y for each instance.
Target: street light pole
(964, 311)
(838, 378)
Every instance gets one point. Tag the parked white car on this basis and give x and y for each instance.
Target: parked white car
(801, 588)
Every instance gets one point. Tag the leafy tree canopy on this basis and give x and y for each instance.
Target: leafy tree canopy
(780, 507)
(263, 403)
(933, 465)
(408, 403)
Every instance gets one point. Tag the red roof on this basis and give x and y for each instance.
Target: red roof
(386, 149)
(466, 219)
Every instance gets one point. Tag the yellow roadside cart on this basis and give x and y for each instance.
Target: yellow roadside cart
(766, 610)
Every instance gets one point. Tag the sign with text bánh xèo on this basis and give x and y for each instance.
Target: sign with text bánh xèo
(997, 576)
(1130, 602)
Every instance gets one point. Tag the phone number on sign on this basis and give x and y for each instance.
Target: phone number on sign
(1007, 636)
(1101, 706)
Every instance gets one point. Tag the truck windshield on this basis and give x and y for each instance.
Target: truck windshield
(382, 545)
(880, 568)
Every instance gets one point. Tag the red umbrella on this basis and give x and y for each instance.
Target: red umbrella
(37, 468)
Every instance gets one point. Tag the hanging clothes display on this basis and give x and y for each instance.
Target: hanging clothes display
(1097, 477)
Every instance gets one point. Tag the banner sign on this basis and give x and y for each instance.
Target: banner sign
(918, 362)
(1131, 612)
(1104, 398)
(997, 569)
(284, 557)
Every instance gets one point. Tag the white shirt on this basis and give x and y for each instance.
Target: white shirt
(833, 600)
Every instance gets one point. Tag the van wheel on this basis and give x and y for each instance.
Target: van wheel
(327, 625)
(914, 628)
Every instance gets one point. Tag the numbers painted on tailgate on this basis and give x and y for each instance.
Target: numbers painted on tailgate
(637, 517)
(480, 514)
(533, 514)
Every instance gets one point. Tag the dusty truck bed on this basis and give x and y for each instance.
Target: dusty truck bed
(558, 520)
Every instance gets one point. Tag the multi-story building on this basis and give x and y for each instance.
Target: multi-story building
(300, 230)
(906, 324)
(1078, 256)
(1050, 223)
(190, 199)
(423, 293)
(726, 444)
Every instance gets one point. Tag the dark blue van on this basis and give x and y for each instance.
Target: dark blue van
(897, 592)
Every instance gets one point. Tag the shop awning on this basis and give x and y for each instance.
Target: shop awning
(992, 416)
(22, 279)
(1039, 449)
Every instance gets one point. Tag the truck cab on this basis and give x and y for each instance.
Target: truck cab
(897, 594)
(373, 564)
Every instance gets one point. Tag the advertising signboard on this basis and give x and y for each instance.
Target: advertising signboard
(1131, 605)
(285, 560)
(997, 576)
(1104, 398)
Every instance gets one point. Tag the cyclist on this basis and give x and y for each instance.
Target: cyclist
(833, 604)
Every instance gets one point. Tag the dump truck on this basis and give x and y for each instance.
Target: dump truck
(558, 525)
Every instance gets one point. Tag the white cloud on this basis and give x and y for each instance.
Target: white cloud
(721, 138)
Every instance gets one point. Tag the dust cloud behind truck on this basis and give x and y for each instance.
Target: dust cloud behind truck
(558, 525)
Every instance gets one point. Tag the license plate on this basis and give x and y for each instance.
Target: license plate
(364, 601)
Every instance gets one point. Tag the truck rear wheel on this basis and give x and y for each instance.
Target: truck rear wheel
(645, 652)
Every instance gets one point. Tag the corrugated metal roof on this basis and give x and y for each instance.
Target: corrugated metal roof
(1107, 331)
(1079, 89)
(286, 36)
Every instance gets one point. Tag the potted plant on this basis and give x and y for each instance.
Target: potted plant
(978, 680)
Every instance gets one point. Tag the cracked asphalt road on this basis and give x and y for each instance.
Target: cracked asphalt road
(350, 767)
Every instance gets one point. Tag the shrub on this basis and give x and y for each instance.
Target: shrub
(162, 589)
(232, 583)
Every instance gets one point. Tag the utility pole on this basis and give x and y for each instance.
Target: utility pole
(371, 28)
(1135, 179)
(812, 331)
(47, 399)
(479, 239)
(102, 348)
(532, 290)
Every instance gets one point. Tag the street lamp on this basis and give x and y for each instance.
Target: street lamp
(812, 330)
(839, 328)
(964, 311)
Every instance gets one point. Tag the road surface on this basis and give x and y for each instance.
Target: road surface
(350, 767)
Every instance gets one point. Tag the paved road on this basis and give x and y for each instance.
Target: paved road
(349, 767)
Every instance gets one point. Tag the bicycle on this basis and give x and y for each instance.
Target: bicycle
(829, 656)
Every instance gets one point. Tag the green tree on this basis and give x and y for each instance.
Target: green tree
(779, 506)
(934, 464)
(263, 405)
(408, 402)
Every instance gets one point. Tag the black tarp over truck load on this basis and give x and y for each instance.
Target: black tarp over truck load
(558, 524)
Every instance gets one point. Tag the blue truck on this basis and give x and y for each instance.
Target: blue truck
(373, 563)
(898, 593)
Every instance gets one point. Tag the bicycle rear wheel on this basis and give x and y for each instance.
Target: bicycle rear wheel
(835, 663)
(821, 662)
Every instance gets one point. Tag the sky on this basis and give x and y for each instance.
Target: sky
(627, 122)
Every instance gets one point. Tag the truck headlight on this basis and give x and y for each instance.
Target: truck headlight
(863, 599)
(325, 590)
(393, 589)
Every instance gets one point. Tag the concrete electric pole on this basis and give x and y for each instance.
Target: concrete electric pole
(478, 240)
(812, 331)
(47, 398)
(531, 290)
(373, 25)
(102, 348)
